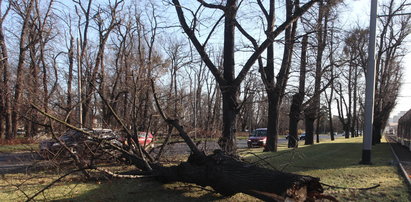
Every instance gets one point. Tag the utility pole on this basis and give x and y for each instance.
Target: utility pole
(370, 88)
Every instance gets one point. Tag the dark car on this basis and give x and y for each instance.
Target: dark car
(82, 144)
(257, 138)
(302, 136)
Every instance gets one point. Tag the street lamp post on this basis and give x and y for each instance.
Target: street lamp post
(370, 88)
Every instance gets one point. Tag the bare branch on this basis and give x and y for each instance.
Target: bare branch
(175, 123)
(197, 44)
(208, 5)
(270, 39)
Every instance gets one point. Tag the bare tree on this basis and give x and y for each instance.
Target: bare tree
(5, 91)
(298, 98)
(227, 81)
(321, 27)
(394, 30)
(23, 9)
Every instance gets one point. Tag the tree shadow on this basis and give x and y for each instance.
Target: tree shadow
(150, 190)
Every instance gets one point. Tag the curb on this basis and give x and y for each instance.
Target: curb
(407, 177)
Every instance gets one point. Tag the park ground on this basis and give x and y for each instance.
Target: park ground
(335, 163)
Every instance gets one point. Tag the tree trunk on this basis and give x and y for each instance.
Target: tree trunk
(228, 142)
(309, 129)
(317, 130)
(20, 69)
(229, 176)
(70, 79)
(298, 98)
(330, 117)
(295, 111)
(272, 125)
(315, 105)
(6, 91)
(376, 134)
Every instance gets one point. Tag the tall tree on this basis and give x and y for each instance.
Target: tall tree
(394, 30)
(322, 24)
(227, 81)
(298, 98)
(5, 91)
(24, 10)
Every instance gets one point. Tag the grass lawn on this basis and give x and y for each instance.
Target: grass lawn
(19, 148)
(335, 163)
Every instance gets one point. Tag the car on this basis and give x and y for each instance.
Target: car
(257, 138)
(302, 136)
(82, 144)
(145, 139)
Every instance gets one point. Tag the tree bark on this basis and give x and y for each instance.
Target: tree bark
(312, 111)
(6, 96)
(229, 176)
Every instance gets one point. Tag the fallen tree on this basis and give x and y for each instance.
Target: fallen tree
(226, 174)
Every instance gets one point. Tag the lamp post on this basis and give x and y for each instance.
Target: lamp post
(370, 88)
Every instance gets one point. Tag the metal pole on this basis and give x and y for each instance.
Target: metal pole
(370, 88)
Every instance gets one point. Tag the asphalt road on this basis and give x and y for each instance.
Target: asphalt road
(20, 162)
(209, 146)
(17, 162)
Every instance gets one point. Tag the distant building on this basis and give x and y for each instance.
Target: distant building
(391, 128)
(397, 117)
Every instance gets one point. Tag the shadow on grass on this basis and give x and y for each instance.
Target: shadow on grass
(146, 190)
(336, 163)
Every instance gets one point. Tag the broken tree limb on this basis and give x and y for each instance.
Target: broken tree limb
(140, 149)
(137, 160)
(177, 126)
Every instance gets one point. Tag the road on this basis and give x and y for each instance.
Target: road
(211, 145)
(16, 162)
(20, 162)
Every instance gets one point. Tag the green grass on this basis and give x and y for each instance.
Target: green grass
(336, 163)
(19, 148)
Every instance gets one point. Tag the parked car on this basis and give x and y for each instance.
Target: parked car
(302, 136)
(146, 139)
(79, 143)
(257, 138)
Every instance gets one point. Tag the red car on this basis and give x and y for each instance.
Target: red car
(145, 139)
(257, 138)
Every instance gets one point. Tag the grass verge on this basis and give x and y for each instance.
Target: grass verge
(19, 148)
(336, 163)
